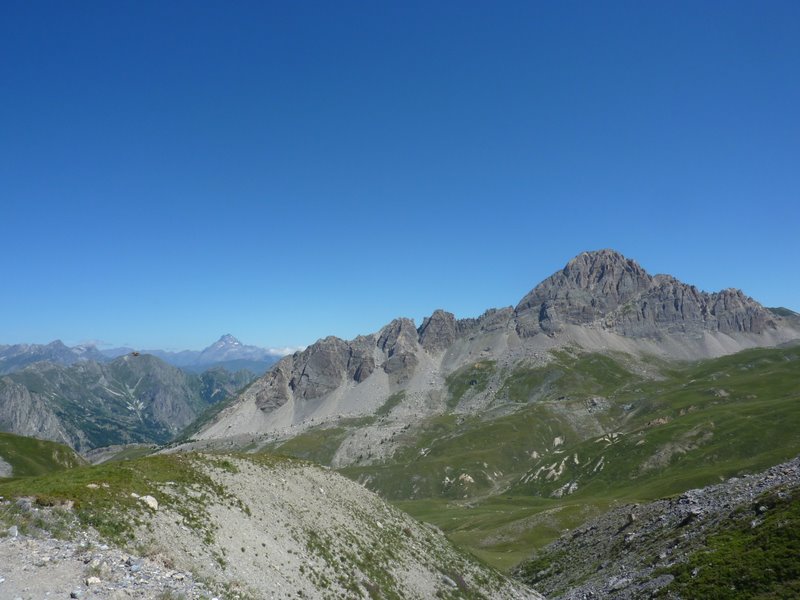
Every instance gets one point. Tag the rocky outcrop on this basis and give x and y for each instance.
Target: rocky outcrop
(331, 362)
(590, 286)
(316, 371)
(621, 553)
(438, 331)
(607, 290)
(399, 342)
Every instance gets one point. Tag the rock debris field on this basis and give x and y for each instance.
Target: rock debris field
(245, 529)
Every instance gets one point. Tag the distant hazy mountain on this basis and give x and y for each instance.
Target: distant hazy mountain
(18, 356)
(88, 404)
(227, 352)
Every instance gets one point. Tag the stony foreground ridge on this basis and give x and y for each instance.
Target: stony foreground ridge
(234, 527)
(600, 301)
(623, 553)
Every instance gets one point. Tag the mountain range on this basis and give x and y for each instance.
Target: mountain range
(599, 302)
(604, 382)
(227, 352)
(132, 399)
(612, 434)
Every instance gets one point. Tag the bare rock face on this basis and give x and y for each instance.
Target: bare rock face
(494, 319)
(28, 413)
(273, 390)
(606, 289)
(331, 362)
(590, 286)
(361, 359)
(399, 341)
(324, 366)
(319, 369)
(438, 331)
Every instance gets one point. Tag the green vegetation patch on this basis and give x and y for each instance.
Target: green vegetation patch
(29, 456)
(473, 377)
(107, 496)
(390, 403)
(133, 451)
(568, 375)
(317, 445)
(501, 530)
(587, 420)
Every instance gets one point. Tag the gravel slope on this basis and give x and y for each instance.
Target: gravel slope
(247, 527)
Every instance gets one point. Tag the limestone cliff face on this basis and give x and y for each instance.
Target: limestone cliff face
(606, 289)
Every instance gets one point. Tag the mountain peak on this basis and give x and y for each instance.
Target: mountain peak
(590, 285)
(605, 254)
(228, 339)
(598, 264)
(606, 289)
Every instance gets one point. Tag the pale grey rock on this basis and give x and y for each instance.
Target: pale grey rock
(606, 289)
(399, 341)
(595, 302)
(591, 285)
(361, 359)
(316, 371)
(438, 331)
(273, 390)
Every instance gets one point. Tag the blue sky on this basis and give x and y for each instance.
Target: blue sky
(285, 171)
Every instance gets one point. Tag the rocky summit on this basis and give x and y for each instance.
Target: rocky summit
(613, 292)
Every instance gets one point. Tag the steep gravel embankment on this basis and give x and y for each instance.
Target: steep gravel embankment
(237, 527)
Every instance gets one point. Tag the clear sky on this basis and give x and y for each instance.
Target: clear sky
(171, 171)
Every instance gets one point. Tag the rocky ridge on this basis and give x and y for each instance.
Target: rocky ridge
(624, 553)
(17, 356)
(600, 301)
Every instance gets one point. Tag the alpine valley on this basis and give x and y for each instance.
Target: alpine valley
(89, 398)
(615, 434)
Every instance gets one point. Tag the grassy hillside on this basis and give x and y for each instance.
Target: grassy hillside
(28, 456)
(587, 431)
